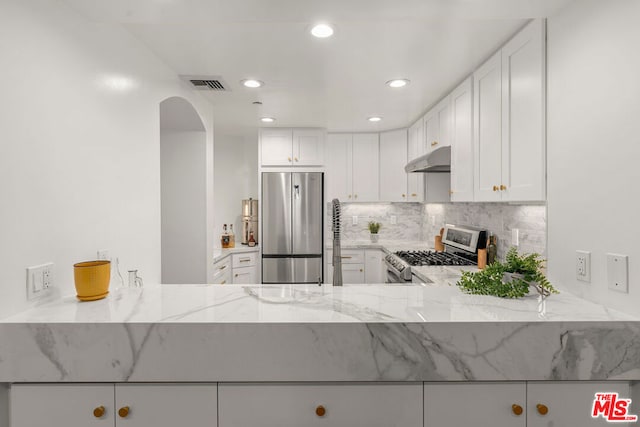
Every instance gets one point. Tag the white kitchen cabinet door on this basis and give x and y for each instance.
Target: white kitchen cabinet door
(374, 267)
(569, 404)
(321, 405)
(431, 130)
(487, 141)
(393, 158)
(245, 275)
(415, 148)
(462, 142)
(365, 166)
(166, 405)
(475, 404)
(308, 147)
(443, 111)
(222, 272)
(523, 118)
(68, 405)
(338, 180)
(352, 274)
(276, 147)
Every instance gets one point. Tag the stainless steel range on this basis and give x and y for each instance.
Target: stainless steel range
(461, 246)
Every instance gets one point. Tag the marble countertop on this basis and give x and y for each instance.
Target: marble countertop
(317, 333)
(386, 245)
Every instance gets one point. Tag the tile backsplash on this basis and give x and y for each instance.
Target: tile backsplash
(421, 222)
(408, 220)
(498, 218)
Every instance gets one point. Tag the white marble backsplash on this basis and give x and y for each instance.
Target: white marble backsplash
(498, 218)
(408, 220)
(422, 222)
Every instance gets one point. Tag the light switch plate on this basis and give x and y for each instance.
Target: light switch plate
(394, 220)
(515, 237)
(618, 272)
(39, 280)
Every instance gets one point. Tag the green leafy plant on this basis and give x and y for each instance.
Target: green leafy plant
(523, 271)
(374, 227)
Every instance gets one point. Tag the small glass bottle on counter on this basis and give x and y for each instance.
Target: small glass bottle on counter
(252, 240)
(224, 239)
(232, 237)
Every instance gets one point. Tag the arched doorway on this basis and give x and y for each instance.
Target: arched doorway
(183, 182)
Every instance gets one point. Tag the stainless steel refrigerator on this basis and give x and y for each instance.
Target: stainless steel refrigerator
(292, 232)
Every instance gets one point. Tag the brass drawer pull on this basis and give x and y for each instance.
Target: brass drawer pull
(223, 282)
(413, 194)
(99, 412)
(245, 259)
(516, 409)
(289, 158)
(434, 143)
(321, 411)
(222, 268)
(542, 409)
(495, 188)
(123, 412)
(503, 187)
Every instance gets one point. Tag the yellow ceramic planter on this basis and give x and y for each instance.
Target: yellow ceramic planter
(92, 279)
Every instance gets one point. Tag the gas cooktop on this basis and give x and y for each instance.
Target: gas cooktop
(419, 258)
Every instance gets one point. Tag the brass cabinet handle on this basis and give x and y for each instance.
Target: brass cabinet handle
(289, 158)
(495, 188)
(99, 412)
(236, 275)
(320, 411)
(355, 196)
(123, 412)
(450, 192)
(223, 267)
(413, 194)
(223, 282)
(245, 259)
(503, 187)
(361, 270)
(349, 195)
(346, 257)
(403, 196)
(434, 143)
(542, 409)
(516, 409)
(295, 158)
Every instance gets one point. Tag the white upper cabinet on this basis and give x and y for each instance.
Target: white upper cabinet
(291, 147)
(415, 148)
(523, 118)
(308, 147)
(487, 144)
(276, 147)
(462, 142)
(509, 134)
(393, 158)
(437, 125)
(365, 166)
(351, 172)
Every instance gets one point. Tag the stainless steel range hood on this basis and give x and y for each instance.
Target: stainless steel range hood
(439, 160)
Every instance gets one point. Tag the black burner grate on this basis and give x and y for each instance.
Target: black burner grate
(418, 258)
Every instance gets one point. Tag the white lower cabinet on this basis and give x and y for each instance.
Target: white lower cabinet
(516, 404)
(474, 404)
(245, 268)
(222, 271)
(359, 266)
(326, 405)
(134, 405)
(374, 267)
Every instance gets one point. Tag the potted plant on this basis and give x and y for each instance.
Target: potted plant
(374, 227)
(511, 279)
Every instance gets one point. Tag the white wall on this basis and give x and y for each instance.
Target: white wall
(79, 145)
(594, 144)
(235, 178)
(183, 179)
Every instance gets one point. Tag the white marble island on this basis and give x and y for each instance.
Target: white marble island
(195, 333)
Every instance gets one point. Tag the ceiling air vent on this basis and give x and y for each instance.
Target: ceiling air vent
(207, 83)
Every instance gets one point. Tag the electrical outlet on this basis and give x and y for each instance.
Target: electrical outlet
(354, 220)
(583, 266)
(39, 280)
(103, 254)
(618, 272)
(394, 220)
(515, 237)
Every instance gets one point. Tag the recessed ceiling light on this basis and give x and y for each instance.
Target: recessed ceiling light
(268, 119)
(252, 83)
(374, 119)
(398, 83)
(322, 31)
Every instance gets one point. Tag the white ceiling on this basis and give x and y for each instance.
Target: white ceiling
(334, 83)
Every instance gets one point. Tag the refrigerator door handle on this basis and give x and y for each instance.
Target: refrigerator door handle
(296, 191)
